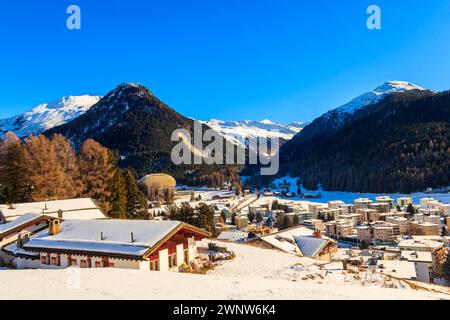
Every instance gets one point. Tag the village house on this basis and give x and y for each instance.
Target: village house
(340, 228)
(404, 201)
(300, 241)
(355, 218)
(22, 227)
(425, 228)
(385, 200)
(427, 218)
(368, 215)
(129, 244)
(79, 209)
(362, 203)
(437, 249)
(423, 263)
(380, 207)
(379, 231)
(403, 224)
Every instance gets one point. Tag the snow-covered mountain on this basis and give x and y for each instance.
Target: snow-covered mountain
(238, 131)
(334, 119)
(376, 95)
(48, 115)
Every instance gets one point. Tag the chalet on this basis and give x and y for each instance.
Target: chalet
(80, 209)
(300, 241)
(128, 244)
(22, 227)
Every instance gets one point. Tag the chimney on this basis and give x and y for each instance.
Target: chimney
(317, 234)
(22, 240)
(54, 227)
(60, 214)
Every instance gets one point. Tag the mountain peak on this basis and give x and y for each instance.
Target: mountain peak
(128, 89)
(376, 95)
(397, 86)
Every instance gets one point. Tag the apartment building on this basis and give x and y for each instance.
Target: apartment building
(340, 228)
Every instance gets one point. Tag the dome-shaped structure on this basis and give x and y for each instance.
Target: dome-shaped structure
(158, 181)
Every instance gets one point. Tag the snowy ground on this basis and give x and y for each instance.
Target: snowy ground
(254, 274)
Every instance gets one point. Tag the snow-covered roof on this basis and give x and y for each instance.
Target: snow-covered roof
(83, 208)
(417, 256)
(284, 240)
(310, 247)
(398, 269)
(420, 244)
(232, 235)
(18, 222)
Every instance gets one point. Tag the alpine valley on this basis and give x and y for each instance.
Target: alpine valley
(394, 138)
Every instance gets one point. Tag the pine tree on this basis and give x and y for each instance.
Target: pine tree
(259, 217)
(118, 196)
(206, 217)
(251, 217)
(137, 205)
(14, 171)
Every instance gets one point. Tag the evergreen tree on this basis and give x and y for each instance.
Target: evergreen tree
(259, 217)
(206, 218)
(251, 216)
(118, 196)
(275, 205)
(137, 206)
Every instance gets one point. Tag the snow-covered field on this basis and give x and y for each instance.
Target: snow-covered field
(255, 274)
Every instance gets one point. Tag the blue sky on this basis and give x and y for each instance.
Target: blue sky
(232, 60)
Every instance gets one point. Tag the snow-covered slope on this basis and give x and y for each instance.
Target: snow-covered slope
(238, 131)
(48, 115)
(376, 95)
(255, 274)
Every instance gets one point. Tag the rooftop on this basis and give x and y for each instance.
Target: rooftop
(84, 209)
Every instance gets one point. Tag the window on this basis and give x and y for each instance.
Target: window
(73, 262)
(83, 263)
(98, 264)
(110, 265)
(54, 263)
(43, 259)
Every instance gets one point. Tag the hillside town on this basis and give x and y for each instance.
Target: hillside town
(195, 230)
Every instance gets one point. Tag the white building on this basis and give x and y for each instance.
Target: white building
(423, 262)
(397, 269)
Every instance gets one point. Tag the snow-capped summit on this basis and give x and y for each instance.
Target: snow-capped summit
(238, 131)
(47, 115)
(376, 95)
